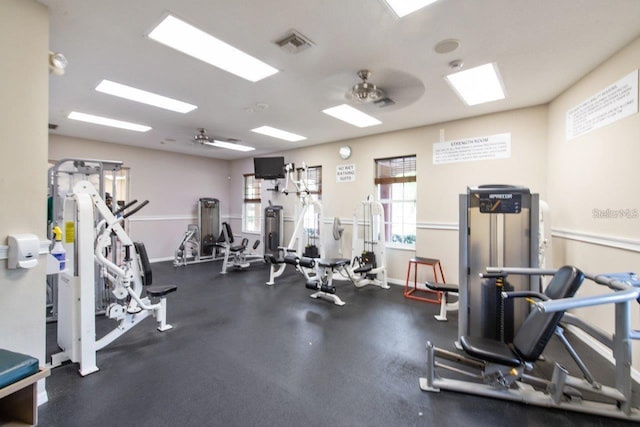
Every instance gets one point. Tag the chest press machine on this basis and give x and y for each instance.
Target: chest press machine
(507, 371)
(87, 243)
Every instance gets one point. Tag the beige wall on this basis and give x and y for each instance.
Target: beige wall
(598, 170)
(24, 40)
(171, 182)
(439, 185)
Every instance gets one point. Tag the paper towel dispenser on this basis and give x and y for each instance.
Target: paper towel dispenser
(23, 251)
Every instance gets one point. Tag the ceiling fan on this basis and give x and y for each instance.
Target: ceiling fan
(202, 138)
(229, 143)
(365, 91)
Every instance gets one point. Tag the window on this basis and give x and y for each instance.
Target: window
(313, 183)
(314, 180)
(251, 204)
(396, 185)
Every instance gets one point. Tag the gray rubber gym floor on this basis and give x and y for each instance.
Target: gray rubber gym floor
(245, 354)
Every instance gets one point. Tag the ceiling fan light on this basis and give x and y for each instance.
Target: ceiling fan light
(364, 91)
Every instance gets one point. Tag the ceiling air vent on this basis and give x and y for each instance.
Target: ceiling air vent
(294, 42)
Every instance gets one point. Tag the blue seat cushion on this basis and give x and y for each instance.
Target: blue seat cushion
(15, 366)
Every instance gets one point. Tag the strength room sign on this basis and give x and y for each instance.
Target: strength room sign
(472, 149)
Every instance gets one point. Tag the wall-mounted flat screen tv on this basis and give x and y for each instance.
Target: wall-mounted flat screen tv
(268, 167)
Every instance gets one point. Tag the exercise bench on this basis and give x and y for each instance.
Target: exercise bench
(445, 289)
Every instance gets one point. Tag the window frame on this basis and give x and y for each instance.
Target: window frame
(315, 192)
(249, 198)
(406, 173)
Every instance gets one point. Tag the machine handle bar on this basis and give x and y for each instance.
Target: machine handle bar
(137, 208)
(127, 206)
(571, 303)
(624, 290)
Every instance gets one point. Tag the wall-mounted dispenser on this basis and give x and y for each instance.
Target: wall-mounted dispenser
(23, 251)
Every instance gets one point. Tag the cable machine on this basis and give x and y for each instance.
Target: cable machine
(368, 268)
(88, 245)
(498, 227)
(62, 177)
(200, 242)
(305, 244)
(273, 229)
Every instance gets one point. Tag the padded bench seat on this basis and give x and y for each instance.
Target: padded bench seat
(160, 290)
(442, 287)
(15, 366)
(19, 375)
(333, 262)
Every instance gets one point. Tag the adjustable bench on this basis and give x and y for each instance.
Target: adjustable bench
(19, 375)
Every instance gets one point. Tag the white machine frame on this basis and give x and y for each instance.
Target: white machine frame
(563, 391)
(295, 245)
(372, 235)
(76, 300)
(62, 176)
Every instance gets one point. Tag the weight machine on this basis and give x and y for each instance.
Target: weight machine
(236, 255)
(201, 242)
(498, 370)
(368, 268)
(62, 177)
(498, 227)
(303, 260)
(88, 244)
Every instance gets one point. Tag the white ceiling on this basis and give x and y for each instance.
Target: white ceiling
(541, 48)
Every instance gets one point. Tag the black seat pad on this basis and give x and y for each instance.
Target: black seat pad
(237, 248)
(490, 350)
(160, 290)
(333, 262)
(363, 269)
(442, 287)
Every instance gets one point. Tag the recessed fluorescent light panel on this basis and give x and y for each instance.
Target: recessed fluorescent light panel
(188, 39)
(90, 118)
(478, 85)
(278, 133)
(230, 145)
(405, 7)
(355, 117)
(138, 95)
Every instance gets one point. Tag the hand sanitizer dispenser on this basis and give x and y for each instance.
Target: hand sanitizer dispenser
(23, 251)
